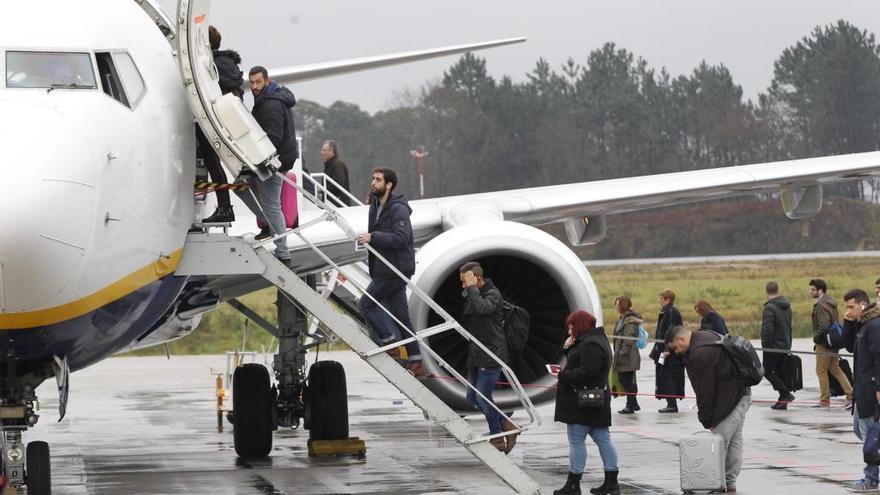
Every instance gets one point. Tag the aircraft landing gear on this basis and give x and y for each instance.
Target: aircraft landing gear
(254, 404)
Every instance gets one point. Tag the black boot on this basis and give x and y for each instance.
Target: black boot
(609, 487)
(572, 485)
(223, 214)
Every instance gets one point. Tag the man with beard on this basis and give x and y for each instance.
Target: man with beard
(390, 233)
(273, 110)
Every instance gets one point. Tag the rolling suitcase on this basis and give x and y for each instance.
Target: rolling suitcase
(794, 373)
(702, 459)
(836, 389)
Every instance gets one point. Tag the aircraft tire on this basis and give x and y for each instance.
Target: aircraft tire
(252, 405)
(38, 471)
(327, 402)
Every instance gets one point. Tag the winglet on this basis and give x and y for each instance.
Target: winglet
(302, 73)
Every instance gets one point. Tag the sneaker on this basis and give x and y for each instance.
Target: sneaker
(626, 410)
(821, 405)
(731, 488)
(668, 410)
(779, 406)
(862, 486)
(788, 398)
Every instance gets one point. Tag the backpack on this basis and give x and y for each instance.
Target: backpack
(642, 341)
(515, 323)
(744, 357)
(833, 336)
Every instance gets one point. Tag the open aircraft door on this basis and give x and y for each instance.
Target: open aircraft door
(230, 128)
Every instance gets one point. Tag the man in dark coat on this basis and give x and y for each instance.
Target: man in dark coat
(482, 316)
(722, 398)
(272, 110)
(861, 336)
(389, 232)
(335, 169)
(588, 360)
(230, 82)
(669, 377)
(776, 334)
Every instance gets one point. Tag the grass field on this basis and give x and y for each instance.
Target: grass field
(736, 290)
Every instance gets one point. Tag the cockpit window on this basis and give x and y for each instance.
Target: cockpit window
(68, 70)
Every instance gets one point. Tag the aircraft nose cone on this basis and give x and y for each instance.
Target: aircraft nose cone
(46, 206)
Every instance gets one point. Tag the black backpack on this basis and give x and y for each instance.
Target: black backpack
(516, 323)
(744, 357)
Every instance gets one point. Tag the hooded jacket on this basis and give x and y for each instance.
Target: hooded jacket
(824, 314)
(273, 110)
(626, 352)
(392, 236)
(862, 338)
(587, 363)
(714, 379)
(231, 76)
(483, 317)
(776, 324)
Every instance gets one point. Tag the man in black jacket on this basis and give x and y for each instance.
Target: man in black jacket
(669, 375)
(390, 233)
(722, 399)
(335, 169)
(482, 316)
(230, 82)
(861, 336)
(273, 106)
(776, 334)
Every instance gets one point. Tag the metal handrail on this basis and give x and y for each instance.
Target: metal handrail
(314, 178)
(332, 215)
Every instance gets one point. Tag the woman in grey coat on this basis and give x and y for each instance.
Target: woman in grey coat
(626, 353)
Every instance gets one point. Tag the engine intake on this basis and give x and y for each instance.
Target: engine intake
(533, 270)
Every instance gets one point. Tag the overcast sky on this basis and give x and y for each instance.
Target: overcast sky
(747, 35)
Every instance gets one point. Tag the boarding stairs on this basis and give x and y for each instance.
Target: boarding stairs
(219, 254)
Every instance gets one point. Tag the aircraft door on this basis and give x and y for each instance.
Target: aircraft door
(231, 129)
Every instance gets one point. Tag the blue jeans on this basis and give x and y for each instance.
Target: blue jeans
(268, 195)
(860, 427)
(484, 379)
(391, 293)
(577, 448)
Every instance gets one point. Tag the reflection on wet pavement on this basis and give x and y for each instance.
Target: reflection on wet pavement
(148, 425)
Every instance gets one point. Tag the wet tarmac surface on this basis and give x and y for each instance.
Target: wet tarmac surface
(148, 426)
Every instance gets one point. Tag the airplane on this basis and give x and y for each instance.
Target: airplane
(98, 141)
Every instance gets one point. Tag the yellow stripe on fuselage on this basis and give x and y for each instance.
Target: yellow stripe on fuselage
(121, 288)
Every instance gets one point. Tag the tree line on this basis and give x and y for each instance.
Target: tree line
(612, 115)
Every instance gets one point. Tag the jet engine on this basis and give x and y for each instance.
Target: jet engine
(533, 270)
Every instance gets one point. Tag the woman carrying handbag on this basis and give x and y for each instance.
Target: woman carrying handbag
(583, 402)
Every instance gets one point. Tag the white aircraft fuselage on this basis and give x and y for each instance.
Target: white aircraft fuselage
(99, 192)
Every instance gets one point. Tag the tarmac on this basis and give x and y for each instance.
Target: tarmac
(147, 425)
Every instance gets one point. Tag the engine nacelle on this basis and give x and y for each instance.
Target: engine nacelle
(533, 270)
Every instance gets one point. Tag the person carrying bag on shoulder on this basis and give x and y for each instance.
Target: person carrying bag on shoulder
(583, 402)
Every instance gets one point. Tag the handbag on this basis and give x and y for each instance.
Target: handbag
(590, 397)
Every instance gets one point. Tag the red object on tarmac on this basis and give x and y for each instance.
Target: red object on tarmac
(288, 203)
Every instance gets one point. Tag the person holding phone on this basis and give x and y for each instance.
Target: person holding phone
(588, 360)
(861, 336)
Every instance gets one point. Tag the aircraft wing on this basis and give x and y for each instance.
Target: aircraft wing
(300, 73)
(799, 181)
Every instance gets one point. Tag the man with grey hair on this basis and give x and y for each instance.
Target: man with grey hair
(335, 169)
(722, 399)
